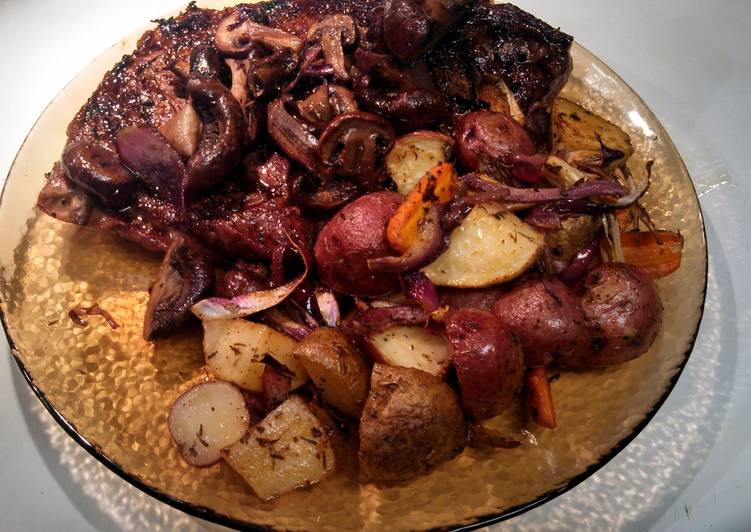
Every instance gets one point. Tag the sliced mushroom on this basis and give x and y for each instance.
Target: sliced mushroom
(292, 136)
(63, 200)
(220, 148)
(316, 196)
(205, 62)
(335, 32)
(239, 69)
(325, 102)
(98, 170)
(354, 144)
(268, 74)
(236, 35)
(156, 163)
(185, 277)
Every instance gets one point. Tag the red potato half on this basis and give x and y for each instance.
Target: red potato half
(488, 142)
(413, 155)
(206, 419)
(354, 235)
(488, 361)
(547, 318)
(623, 307)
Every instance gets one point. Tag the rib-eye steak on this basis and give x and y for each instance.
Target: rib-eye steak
(227, 137)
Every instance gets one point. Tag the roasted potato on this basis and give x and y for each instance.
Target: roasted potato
(575, 233)
(412, 422)
(336, 368)
(235, 351)
(288, 449)
(488, 361)
(490, 246)
(488, 142)
(482, 298)
(414, 154)
(411, 347)
(354, 235)
(207, 418)
(574, 129)
(547, 318)
(623, 307)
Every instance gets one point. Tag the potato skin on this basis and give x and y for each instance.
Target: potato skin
(354, 235)
(547, 318)
(622, 305)
(336, 369)
(488, 361)
(482, 298)
(487, 141)
(412, 422)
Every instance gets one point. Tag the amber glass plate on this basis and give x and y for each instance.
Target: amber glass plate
(111, 390)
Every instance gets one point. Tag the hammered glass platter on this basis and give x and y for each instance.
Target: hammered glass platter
(111, 390)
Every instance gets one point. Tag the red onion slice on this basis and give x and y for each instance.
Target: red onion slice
(420, 289)
(218, 308)
(328, 307)
(494, 191)
(276, 320)
(579, 265)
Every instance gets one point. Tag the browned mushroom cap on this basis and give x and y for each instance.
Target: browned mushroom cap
(235, 36)
(185, 276)
(220, 148)
(325, 102)
(336, 32)
(292, 135)
(205, 62)
(268, 74)
(63, 200)
(98, 170)
(355, 143)
(310, 195)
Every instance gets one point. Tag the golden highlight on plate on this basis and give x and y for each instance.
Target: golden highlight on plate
(397, 252)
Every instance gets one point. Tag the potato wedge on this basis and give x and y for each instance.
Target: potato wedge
(413, 155)
(490, 246)
(336, 369)
(290, 448)
(412, 422)
(411, 347)
(574, 129)
(235, 350)
(207, 418)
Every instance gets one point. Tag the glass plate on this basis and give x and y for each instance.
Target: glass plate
(111, 390)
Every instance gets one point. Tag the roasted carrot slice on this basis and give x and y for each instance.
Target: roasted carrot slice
(435, 186)
(539, 397)
(657, 253)
(625, 218)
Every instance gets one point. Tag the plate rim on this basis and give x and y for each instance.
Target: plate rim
(207, 514)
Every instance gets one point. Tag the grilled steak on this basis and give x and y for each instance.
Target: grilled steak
(417, 63)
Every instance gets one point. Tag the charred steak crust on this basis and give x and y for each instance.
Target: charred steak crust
(502, 41)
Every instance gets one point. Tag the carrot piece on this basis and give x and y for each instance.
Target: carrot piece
(625, 218)
(435, 186)
(658, 254)
(539, 397)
